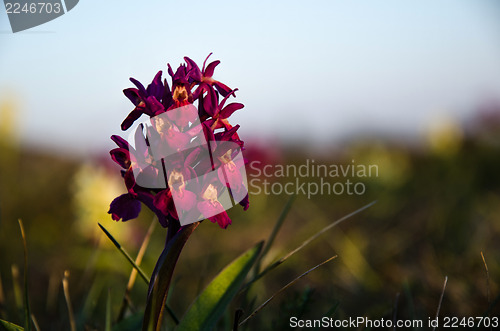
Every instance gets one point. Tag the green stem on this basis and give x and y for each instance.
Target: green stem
(162, 275)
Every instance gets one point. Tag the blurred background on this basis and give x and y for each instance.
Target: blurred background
(412, 87)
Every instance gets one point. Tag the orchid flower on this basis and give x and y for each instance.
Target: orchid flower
(168, 167)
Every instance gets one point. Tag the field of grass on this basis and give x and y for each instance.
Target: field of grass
(436, 217)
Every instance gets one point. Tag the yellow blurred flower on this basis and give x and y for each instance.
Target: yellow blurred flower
(444, 135)
(94, 188)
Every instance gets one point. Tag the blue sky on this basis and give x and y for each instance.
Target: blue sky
(311, 71)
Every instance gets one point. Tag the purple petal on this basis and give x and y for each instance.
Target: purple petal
(181, 116)
(184, 201)
(142, 149)
(177, 140)
(131, 118)
(209, 210)
(209, 72)
(133, 95)
(209, 135)
(193, 156)
(170, 71)
(204, 62)
(129, 179)
(125, 207)
(139, 86)
(221, 218)
(223, 89)
(223, 102)
(227, 135)
(121, 156)
(122, 143)
(180, 74)
(190, 175)
(202, 88)
(163, 202)
(148, 199)
(245, 203)
(210, 102)
(229, 109)
(156, 87)
(193, 69)
(194, 130)
(154, 107)
(167, 95)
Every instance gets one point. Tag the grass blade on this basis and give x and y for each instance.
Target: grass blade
(125, 253)
(284, 288)
(27, 312)
(133, 274)
(237, 315)
(71, 315)
(162, 275)
(487, 279)
(16, 287)
(108, 312)
(134, 264)
(272, 236)
(210, 305)
(441, 298)
(306, 242)
(35, 322)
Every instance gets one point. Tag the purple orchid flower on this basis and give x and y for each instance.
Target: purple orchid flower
(190, 132)
(146, 101)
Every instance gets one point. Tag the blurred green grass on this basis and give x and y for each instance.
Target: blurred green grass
(438, 208)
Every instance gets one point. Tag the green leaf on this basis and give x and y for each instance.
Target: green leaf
(162, 275)
(8, 326)
(210, 305)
